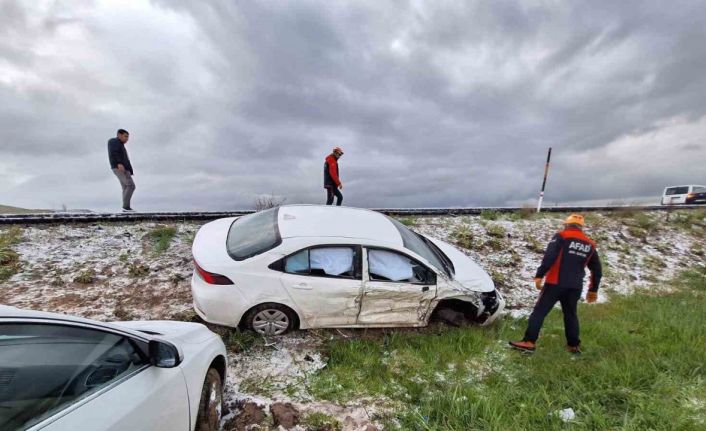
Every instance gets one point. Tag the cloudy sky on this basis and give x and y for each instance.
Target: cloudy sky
(436, 103)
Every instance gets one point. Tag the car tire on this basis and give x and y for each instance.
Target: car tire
(270, 319)
(211, 404)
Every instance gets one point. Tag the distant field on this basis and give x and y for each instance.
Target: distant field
(4, 209)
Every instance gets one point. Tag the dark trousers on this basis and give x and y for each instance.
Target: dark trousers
(330, 193)
(569, 299)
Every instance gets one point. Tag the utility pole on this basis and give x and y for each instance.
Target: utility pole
(544, 183)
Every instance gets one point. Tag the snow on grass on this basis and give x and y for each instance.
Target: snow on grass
(53, 257)
(135, 276)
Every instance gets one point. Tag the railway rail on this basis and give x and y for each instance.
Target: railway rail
(93, 217)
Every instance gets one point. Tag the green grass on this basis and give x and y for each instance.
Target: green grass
(5, 209)
(9, 259)
(239, 341)
(524, 213)
(642, 368)
(317, 421)
(407, 221)
(532, 243)
(86, 276)
(161, 237)
(137, 269)
(489, 215)
(463, 236)
(687, 219)
(496, 230)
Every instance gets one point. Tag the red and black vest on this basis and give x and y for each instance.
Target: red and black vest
(567, 256)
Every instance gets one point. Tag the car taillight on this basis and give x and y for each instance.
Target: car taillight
(210, 277)
(690, 195)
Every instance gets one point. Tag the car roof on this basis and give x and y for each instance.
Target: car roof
(7, 311)
(333, 221)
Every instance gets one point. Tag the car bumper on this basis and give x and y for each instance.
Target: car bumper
(493, 309)
(218, 304)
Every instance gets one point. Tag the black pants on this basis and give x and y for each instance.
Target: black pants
(569, 299)
(330, 193)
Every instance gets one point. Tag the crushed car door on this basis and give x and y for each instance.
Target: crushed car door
(325, 283)
(396, 290)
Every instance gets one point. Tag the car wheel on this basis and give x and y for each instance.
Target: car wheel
(270, 319)
(211, 405)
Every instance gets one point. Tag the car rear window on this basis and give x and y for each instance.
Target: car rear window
(253, 234)
(677, 190)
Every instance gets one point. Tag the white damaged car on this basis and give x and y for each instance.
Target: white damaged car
(311, 266)
(61, 373)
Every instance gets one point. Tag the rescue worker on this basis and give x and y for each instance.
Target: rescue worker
(567, 254)
(332, 182)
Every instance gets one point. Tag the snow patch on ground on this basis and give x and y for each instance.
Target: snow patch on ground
(133, 282)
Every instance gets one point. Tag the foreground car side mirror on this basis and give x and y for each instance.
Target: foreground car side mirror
(164, 354)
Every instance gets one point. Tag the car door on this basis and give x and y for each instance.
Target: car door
(325, 283)
(397, 289)
(63, 377)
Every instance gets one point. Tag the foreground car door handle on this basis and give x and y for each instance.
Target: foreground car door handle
(301, 286)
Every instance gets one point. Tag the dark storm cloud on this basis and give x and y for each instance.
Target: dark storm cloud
(437, 103)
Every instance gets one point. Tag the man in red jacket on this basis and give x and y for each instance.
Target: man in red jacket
(568, 253)
(332, 182)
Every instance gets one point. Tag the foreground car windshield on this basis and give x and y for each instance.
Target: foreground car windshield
(253, 234)
(419, 245)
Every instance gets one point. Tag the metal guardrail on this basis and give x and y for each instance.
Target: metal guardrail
(90, 217)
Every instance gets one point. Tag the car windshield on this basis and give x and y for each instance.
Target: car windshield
(423, 247)
(253, 234)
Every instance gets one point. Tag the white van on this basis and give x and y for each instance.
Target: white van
(675, 195)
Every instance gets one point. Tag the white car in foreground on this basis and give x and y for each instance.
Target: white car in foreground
(67, 373)
(311, 266)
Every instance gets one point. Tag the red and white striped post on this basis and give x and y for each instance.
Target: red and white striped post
(544, 183)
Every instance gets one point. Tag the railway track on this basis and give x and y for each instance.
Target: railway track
(92, 217)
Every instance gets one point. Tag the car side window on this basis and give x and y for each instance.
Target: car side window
(297, 263)
(330, 261)
(387, 265)
(45, 368)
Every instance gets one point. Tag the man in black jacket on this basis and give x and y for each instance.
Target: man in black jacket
(120, 164)
(568, 253)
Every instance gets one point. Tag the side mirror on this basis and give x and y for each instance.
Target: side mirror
(164, 354)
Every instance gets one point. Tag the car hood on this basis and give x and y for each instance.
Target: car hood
(178, 332)
(467, 272)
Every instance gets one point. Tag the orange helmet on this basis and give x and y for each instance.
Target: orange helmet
(338, 150)
(574, 219)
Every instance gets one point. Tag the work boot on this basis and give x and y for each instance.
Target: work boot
(574, 350)
(525, 346)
